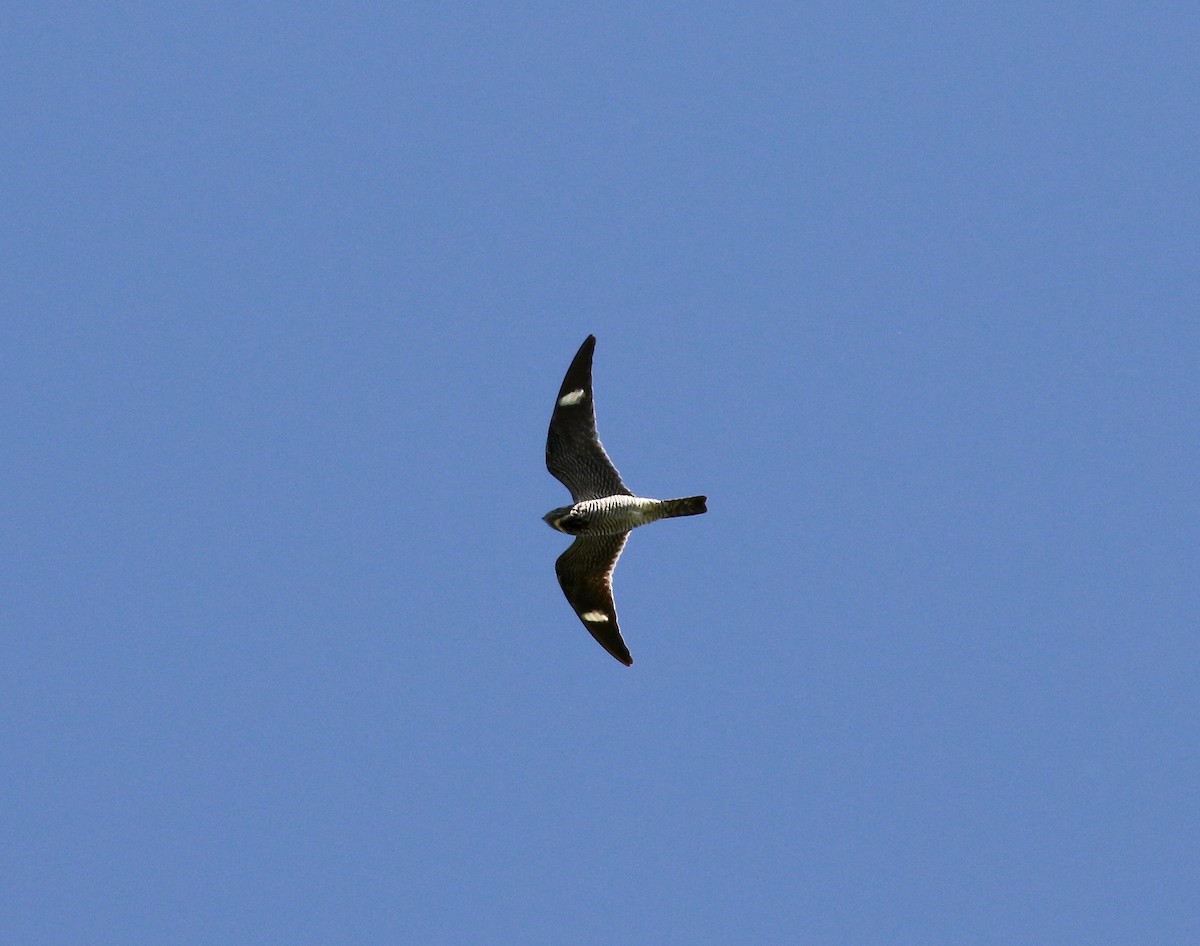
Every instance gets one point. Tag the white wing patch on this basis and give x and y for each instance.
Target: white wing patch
(596, 616)
(571, 398)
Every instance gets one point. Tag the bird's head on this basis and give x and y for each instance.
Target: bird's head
(565, 519)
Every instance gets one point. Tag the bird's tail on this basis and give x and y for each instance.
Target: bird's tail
(691, 506)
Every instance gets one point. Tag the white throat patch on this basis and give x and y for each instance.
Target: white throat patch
(571, 398)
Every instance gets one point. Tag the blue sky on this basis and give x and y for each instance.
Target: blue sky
(909, 291)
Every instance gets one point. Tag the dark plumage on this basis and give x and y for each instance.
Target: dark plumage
(604, 509)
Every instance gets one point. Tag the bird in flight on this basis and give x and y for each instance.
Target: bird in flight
(603, 509)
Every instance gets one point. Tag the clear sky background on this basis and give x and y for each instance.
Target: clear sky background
(911, 292)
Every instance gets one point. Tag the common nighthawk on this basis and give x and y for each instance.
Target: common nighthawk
(604, 510)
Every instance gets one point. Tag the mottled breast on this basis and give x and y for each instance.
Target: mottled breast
(612, 515)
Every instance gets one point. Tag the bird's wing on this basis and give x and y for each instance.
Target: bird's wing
(574, 454)
(585, 572)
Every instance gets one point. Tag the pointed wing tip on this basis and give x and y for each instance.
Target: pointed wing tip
(615, 648)
(614, 644)
(588, 348)
(579, 372)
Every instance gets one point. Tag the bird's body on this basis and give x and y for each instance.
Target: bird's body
(613, 515)
(604, 510)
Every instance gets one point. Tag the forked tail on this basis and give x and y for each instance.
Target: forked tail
(691, 506)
